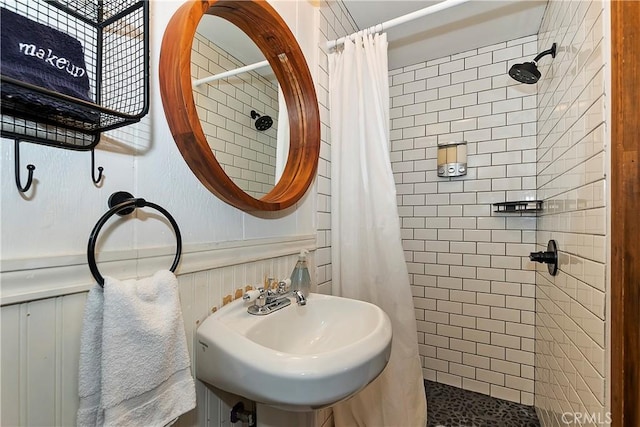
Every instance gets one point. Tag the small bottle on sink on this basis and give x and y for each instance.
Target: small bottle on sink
(300, 279)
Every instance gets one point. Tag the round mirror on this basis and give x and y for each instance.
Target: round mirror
(242, 115)
(266, 29)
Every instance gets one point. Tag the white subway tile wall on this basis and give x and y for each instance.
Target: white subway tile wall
(247, 155)
(571, 344)
(334, 22)
(472, 281)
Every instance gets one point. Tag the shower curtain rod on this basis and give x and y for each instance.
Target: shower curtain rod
(230, 73)
(446, 4)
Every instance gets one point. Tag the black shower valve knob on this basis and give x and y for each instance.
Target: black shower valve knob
(549, 257)
(545, 257)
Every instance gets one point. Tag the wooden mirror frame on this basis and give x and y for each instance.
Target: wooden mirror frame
(271, 34)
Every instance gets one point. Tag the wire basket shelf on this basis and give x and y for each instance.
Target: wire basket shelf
(115, 39)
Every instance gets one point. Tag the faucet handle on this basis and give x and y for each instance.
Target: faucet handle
(284, 286)
(252, 295)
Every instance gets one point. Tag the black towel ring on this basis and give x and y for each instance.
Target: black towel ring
(123, 203)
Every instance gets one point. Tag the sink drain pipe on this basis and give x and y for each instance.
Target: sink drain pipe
(238, 413)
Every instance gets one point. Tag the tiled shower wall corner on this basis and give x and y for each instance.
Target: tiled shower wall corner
(472, 281)
(571, 342)
(334, 22)
(246, 154)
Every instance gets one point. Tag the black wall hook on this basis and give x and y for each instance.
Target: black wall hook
(93, 169)
(30, 168)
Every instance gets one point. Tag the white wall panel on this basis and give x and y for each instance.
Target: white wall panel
(10, 365)
(40, 350)
(41, 344)
(56, 217)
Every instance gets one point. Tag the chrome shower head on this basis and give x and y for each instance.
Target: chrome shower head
(528, 72)
(263, 122)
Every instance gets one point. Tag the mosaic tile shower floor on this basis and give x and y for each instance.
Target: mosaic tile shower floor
(449, 406)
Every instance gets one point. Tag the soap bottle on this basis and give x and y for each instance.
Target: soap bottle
(300, 279)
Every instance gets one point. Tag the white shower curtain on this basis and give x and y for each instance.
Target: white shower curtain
(367, 256)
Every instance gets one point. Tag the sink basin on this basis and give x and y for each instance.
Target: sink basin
(298, 358)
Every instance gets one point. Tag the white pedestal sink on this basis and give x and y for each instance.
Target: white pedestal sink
(299, 358)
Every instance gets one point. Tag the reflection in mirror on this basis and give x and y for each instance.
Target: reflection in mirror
(267, 29)
(240, 115)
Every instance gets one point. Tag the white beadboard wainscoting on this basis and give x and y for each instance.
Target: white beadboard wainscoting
(42, 309)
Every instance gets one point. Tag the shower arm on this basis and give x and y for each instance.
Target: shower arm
(551, 52)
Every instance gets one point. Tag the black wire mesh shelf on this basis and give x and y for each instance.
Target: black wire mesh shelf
(519, 206)
(115, 39)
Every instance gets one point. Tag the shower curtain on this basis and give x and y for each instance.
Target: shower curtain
(282, 136)
(367, 256)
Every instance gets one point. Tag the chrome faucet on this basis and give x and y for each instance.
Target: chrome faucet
(284, 291)
(300, 299)
(267, 300)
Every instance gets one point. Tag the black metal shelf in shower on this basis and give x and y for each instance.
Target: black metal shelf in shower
(518, 206)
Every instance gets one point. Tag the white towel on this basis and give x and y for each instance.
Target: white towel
(90, 358)
(134, 362)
